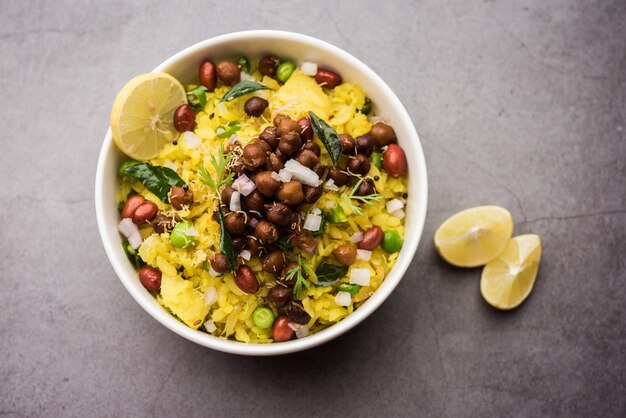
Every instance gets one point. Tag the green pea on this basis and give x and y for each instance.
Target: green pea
(263, 317)
(377, 160)
(391, 241)
(181, 236)
(125, 165)
(284, 71)
(367, 106)
(353, 289)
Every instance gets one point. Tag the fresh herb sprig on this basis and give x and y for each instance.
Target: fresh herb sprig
(298, 272)
(219, 164)
(368, 200)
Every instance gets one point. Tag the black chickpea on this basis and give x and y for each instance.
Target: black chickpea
(364, 145)
(312, 194)
(279, 296)
(274, 162)
(266, 184)
(254, 246)
(254, 156)
(235, 223)
(290, 193)
(339, 177)
(307, 158)
(345, 254)
(270, 135)
(254, 202)
(312, 146)
(268, 65)
(219, 263)
(347, 144)
(290, 143)
(226, 193)
(266, 232)
(359, 164)
(228, 72)
(278, 213)
(382, 134)
(273, 262)
(255, 106)
(286, 124)
(366, 188)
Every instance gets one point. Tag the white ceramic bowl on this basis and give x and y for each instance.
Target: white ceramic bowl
(184, 66)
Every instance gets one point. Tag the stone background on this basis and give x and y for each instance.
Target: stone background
(518, 103)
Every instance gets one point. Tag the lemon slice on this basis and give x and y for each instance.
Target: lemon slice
(474, 236)
(508, 280)
(142, 117)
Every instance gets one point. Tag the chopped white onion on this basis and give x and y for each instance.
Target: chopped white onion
(213, 273)
(127, 227)
(192, 232)
(343, 298)
(398, 213)
(316, 211)
(245, 254)
(330, 185)
(356, 237)
(302, 173)
(210, 296)
(221, 108)
(309, 68)
(284, 175)
(330, 204)
(302, 332)
(244, 76)
(263, 94)
(253, 222)
(312, 222)
(135, 240)
(360, 277)
(275, 176)
(210, 326)
(364, 255)
(244, 185)
(192, 140)
(235, 201)
(233, 138)
(374, 119)
(394, 205)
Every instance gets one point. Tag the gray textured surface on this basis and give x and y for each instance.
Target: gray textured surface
(517, 103)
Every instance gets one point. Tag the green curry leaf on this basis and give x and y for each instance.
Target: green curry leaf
(242, 88)
(159, 180)
(327, 135)
(328, 274)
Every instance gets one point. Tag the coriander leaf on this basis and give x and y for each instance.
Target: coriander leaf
(219, 163)
(242, 88)
(226, 243)
(197, 98)
(328, 274)
(367, 106)
(228, 129)
(159, 180)
(283, 243)
(368, 200)
(244, 64)
(327, 135)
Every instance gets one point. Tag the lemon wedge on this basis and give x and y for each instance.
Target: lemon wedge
(142, 117)
(508, 280)
(475, 236)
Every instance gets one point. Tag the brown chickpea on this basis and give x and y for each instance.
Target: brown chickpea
(290, 193)
(219, 263)
(255, 106)
(312, 194)
(289, 143)
(254, 202)
(319, 169)
(237, 167)
(162, 223)
(305, 242)
(266, 184)
(382, 134)
(312, 146)
(286, 124)
(266, 232)
(278, 118)
(285, 272)
(268, 65)
(278, 213)
(274, 163)
(347, 144)
(273, 262)
(279, 296)
(254, 156)
(267, 147)
(364, 145)
(270, 135)
(358, 164)
(366, 188)
(180, 197)
(254, 246)
(339, 177)
(228, 72)
(226, 193)
(239, 243)
(235, 223)
(307, 158)
(297, 313)
(345, 254)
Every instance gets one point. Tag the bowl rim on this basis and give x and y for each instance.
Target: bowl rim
(418, 213)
